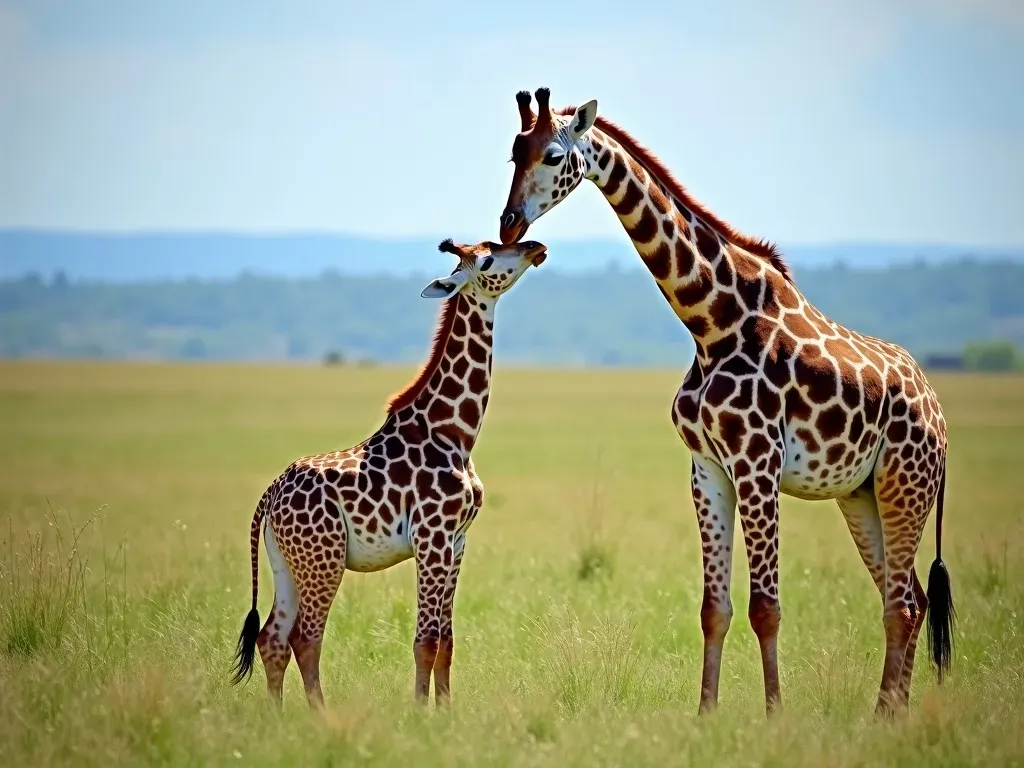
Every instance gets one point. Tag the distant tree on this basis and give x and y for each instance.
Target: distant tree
(993, 356)
(949, 362)
(334, 357)
(193, 348)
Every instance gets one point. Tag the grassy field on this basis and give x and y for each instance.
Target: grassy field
(124, 578)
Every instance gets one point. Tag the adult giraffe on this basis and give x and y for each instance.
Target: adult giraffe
(781, 399)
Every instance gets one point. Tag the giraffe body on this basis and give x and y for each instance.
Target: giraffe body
(780, 398)
(408, 491)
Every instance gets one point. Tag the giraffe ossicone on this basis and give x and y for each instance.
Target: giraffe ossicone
(408, 491)
(780, 398)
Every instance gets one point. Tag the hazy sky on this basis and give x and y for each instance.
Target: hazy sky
(807, 122)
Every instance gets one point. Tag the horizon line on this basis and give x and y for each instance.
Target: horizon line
(251, 234)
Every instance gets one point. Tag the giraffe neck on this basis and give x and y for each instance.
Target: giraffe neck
(452, 390)
(712, 283)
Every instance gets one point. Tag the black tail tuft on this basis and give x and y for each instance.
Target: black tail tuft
(245, 655)
(941, 617)
(941, 613)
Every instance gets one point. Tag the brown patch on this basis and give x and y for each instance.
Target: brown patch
(707, 244)
(798, 325)
(660, 174)
(459, 326)
(809, 440)
(744, 399)
(616, 176)
(630, 199)
(831, 422)
(719, 389)
(658, 199)
(758, 447)
(753, 293)
(721, 349)
(697, 325)
(817, 375)
(897, 432)
(850, 387)
(690, 438)
(724, 310)
(477, 351)
(874, 394)
(646, 229)
(450, 388)
(445, 322)
(477, 381)
(797, 409)
(835, 453)
(469, 411)
(723, 273)
(660, 263)
(696, 291)
(732, 429)
(787, 296)
(768, 401)
(856, 427)
(440, 411)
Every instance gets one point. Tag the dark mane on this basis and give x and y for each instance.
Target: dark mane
(445, 323)
(758, 246)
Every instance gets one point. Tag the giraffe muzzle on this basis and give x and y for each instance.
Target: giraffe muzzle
(513, 227)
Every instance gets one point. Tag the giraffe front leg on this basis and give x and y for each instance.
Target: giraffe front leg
(446, 642)
(757, 477)
(715, 502)
(434, 557)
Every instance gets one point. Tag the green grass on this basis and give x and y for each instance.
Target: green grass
(124, 580)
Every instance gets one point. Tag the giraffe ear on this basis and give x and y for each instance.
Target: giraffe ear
(583, 119)
(445, 287)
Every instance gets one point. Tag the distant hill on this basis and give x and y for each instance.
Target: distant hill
(216, 255)
(607, 316)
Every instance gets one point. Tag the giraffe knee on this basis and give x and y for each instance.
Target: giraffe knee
(715, 616)
(899, 624)
(445, 650)
(765, 615)
(425, 649)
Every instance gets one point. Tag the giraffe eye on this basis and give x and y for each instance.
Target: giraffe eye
(553, 156)
(485, 263)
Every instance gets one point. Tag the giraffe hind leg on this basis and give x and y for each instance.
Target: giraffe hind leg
(903, 503)
(273, 638)
(321, 571)
(921, 601)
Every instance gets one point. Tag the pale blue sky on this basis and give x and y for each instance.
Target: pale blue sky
(809, 122)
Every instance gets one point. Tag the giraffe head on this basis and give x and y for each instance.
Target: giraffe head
(549, 161)
(485, 269)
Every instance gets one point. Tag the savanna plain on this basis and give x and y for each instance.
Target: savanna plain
(126, 493)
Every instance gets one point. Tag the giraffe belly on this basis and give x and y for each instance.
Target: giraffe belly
(810, 476)
(367, 552)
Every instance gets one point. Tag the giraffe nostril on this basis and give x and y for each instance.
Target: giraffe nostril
(509, 220)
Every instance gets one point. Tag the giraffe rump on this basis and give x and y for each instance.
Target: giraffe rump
(760, 247)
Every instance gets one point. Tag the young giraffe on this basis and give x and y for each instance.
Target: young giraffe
(781, 399)
(410, 490)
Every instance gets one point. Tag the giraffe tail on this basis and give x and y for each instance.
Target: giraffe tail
(245, 653)
(941, 613)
